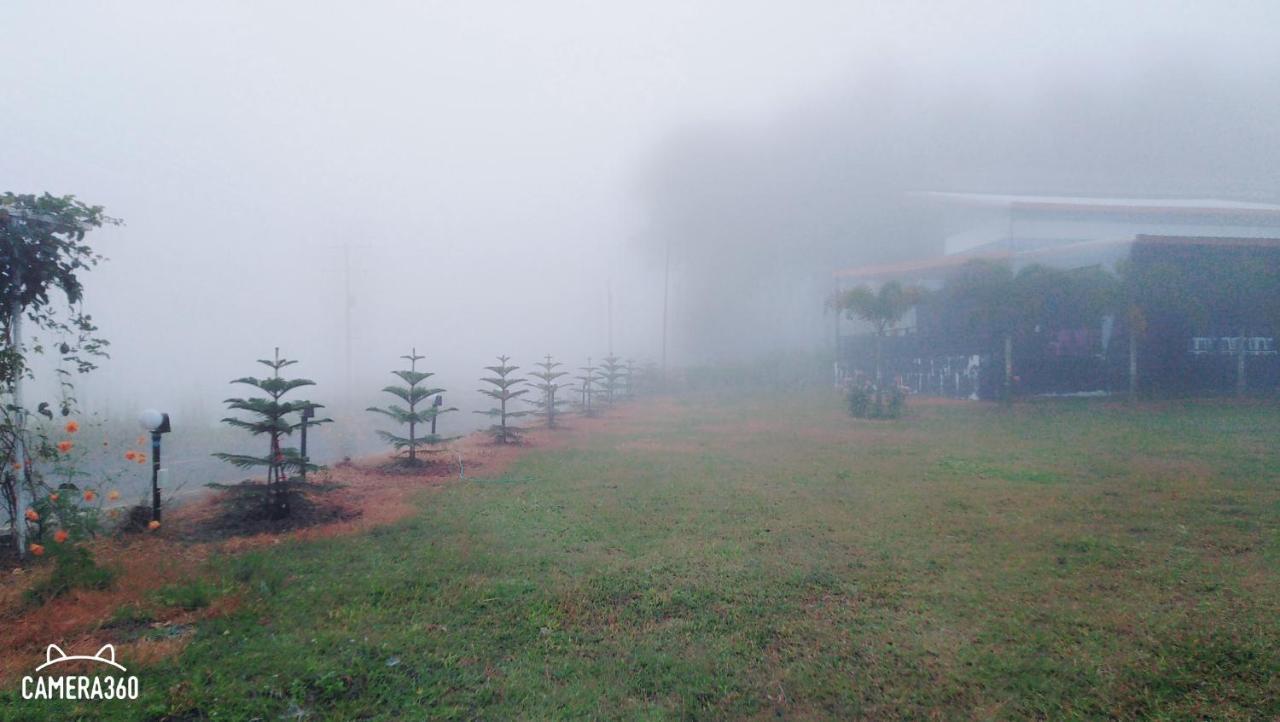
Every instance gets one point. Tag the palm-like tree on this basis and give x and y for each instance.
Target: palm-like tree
(883, 308)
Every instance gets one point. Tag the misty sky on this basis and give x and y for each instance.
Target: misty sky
(488, 162)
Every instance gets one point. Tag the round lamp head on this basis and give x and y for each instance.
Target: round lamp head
(154, 421)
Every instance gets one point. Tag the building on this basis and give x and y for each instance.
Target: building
(1216, 338)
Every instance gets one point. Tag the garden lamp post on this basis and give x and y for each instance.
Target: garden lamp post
(308, 413)
(439, 401)
(157, 422)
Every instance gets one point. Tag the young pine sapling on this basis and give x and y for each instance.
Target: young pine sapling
(628, 379)
(274, 418)
(611, 374)
(503, 391)
(421, 411)
(587, 383)
(547, 405)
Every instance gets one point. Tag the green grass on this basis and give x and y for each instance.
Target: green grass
(188, 595)
(770, 556)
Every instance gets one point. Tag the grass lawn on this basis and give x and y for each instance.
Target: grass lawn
(710, 557)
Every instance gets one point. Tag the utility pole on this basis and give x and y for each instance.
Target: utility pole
(666, 292)
(835, 334)
(347, 304)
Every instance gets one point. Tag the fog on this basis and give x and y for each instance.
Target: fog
(494, 172)
(1144, 101)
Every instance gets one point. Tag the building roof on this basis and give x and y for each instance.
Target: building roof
(1087, 204)
(1233, 241)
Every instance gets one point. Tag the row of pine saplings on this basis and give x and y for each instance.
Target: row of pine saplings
(596, 386)
(543, 392)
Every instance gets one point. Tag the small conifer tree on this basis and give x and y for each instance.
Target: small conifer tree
(503, 391)
(611, 374)
(587, 383)
(628, 379)
(547, 405)
(274, 418)
(420, 411)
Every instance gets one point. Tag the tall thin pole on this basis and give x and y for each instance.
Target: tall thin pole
(835, 333)
(666, 293)
(347, 303)
(609, 293)
(155, 476)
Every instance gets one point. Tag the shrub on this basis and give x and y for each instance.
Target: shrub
(894, 402)
(865, 401)
(73, 568)
(859, 399)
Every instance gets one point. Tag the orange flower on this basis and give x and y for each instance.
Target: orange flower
(37, 549)
(130, 455)
(32, 515)
(72, 427)
(17, 466)
(60, 535)
(53, 496)
(141, 458)
(153, 525)
(113, 495)
(90, 495)
(141, 440)
(65, 445)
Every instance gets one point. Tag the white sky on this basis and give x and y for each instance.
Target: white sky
(481, 156)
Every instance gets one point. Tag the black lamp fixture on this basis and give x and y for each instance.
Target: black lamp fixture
(157, 422)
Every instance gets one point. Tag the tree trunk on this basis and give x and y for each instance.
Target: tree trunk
(277, 496)
(1133, 364)
(1008, 366)
(879, 397)
(1241, 382)
(879, 345)
(413, 446)
(14, 512)
(271, 501)
(21, 480)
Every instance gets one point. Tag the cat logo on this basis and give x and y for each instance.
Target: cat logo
(107, 685)
(106, 655)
